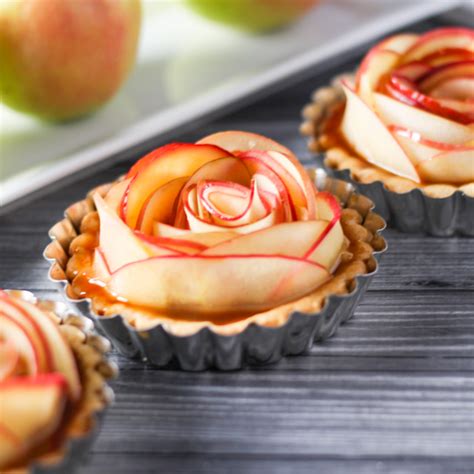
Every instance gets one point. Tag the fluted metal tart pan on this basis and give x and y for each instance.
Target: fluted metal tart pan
(205, 348)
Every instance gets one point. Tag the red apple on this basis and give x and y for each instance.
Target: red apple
(64, 58)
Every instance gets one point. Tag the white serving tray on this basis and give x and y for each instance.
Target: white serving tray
(188, 67)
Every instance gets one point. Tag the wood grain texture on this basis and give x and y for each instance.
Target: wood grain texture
(392, 392)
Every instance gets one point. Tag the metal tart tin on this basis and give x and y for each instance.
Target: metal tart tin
(76, 448)
(411, 212)
(205, 349)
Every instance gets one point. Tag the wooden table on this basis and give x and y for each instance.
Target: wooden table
(392, 392)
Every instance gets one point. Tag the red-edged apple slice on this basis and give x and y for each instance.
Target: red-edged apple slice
(161, 205)
(268, 181)
(450, 109)
(115, 194)
(101, 269)
(289, 175)
(430, 126)
(456, 166)
(9, 359)
(235, 141)
(461, 88)
(207, 239)
(198, 286)
(413, 71)
(34, 332)
(31, 410)
(448, 71)
(177, 162)
(374, 67)
(62, 357)
(370, 138)
(448, 55)
(240, 142)
(443, 38)
(399, 43)
(328, 246)
(292, 238)
(117, 242)
(178, 246)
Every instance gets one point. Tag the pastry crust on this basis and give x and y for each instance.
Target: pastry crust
(82, 225)
(325, 100)
(89, 352)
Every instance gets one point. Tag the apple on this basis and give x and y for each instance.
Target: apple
(9, 359)
(443, 38)
(202, 285)
(62, 59)
(61, 356)
(252, 15)
(32, 409)
(431, 126)
(369, 136)
(176, 162)
(455, 166)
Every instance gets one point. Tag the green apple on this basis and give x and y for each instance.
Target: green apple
(61, 59)
(253, 15)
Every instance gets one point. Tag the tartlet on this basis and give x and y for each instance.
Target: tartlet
(402, 130)
(203, 259)
(53, 390)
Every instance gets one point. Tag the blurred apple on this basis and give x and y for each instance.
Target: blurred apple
(253, 15)
(61, 59)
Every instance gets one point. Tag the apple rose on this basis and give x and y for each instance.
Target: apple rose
(230, 225)
(411, 109)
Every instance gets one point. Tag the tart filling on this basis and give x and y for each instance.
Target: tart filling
(409, 112)
(218, 231)
(48, 390)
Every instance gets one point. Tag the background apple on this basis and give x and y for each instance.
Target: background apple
(62, 59)
(253, 15)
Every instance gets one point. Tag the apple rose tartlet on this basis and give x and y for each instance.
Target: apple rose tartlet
(403, 128)
(52, 384)
(218, 234)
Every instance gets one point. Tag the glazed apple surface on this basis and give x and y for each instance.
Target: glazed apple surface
(229, 225)
(410, 110)
(38, 378)
(62, 59)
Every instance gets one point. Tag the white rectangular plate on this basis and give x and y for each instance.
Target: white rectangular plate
(188, 67)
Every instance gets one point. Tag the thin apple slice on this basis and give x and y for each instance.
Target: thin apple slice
(31, 409)
(9, 359)
(160, 206)
(62, 357)
(461, 113)
(376, 65)
(101, 269)
(458, 88)
(115, 194)
(370, 138)
(447, 71)
(443, 38)
(269, 181)
(288, 174)
(328, 207)
(10, 309)
(448, 55)
(117, 242)
(420, 149)
(198, 286)
(11, 330)
(399, 43)
(207, 239)
(177, 162)
(238, 142)
(456, 166)
(291, 238)
(430, 126)
(413, 71)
